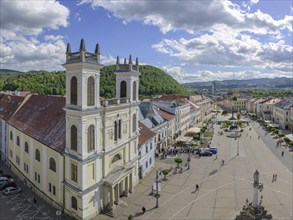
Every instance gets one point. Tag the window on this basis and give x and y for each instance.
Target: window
(50, 187)
(123, 89)
(39, 180)
(11, 135)
(146, 149)
(74, 172)
(17, 141)
(37, 155)
(52, 164)
(73, 94)
(119, 128)
(26, 147)
(134, 91)
(116, 158)
(115, 130)
(54, 190)
(146, 164)
(73, 203)
(151, 145)
(91, 138)
(150, 161)
(91, 91)
(73, 138)
(134, 123)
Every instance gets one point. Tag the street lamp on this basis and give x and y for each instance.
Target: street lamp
(157, 195)
(238, 145)
(188, 161)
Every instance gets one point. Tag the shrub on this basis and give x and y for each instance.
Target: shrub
(286, 139)
(165, 172)
(178, 160)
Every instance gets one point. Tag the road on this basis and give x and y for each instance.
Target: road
(223, 189)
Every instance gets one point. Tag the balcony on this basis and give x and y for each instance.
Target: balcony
(114, 102)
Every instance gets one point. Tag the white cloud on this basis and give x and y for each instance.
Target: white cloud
(201, 76)
(194, 16)
(31, 17)
(28, 54)
(228, 49)
(21, 24)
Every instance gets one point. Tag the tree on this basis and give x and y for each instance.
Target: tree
(178, 160)
(165, 173)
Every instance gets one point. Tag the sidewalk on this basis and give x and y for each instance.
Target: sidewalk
(28, 194)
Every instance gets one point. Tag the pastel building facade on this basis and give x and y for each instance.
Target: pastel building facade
(146, 150)
(9, 104)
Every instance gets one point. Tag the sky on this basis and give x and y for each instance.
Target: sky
(191, 40)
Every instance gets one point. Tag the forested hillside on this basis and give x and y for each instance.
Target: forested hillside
(153, 81)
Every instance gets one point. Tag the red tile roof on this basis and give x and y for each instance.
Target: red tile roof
(42, 118)
(9, 105)
(171, 97)
(145, 133)
(167, 116)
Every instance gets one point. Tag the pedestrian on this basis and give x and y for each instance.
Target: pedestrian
(143, 210)
(196, 187)
(282, 153)
(258, 137)
(275, 177)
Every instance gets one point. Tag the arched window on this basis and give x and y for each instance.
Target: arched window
(73, 90)
(73, 202)
(134, 91)
(91, 91)
(52, 164)
(116, 158)
(134, 123)
(26, 147)
(91, 138)
(11, 135)
(123, 89)
(73, 138)
(17, 140)
(37, 155)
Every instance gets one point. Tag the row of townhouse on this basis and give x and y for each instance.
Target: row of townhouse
(273, 109)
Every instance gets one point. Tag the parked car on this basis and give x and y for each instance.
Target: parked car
(6, 175)
(7, 184)
(3, 180)
(213, 150)
(206, 153)
(11, 190)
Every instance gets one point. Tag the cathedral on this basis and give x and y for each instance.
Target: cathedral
(79, 152)
(101, 160)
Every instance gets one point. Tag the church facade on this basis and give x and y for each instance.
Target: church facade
(101, 155)
(80, 152)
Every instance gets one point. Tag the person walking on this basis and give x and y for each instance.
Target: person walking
(282, 153)
(143, 210)
(275, 177)
(196, 187)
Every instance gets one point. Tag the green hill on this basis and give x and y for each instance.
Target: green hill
(153, 81)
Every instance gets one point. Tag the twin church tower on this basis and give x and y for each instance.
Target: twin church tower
(101, 155)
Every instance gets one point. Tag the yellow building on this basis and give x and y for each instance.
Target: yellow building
(77, 152)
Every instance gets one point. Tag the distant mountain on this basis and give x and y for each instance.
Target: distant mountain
(278, 83)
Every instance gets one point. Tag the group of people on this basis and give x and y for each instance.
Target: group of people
(274, 178)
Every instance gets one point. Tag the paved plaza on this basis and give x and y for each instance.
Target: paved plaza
(223, 189)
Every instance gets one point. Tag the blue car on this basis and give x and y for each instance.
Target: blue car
(213, 150)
